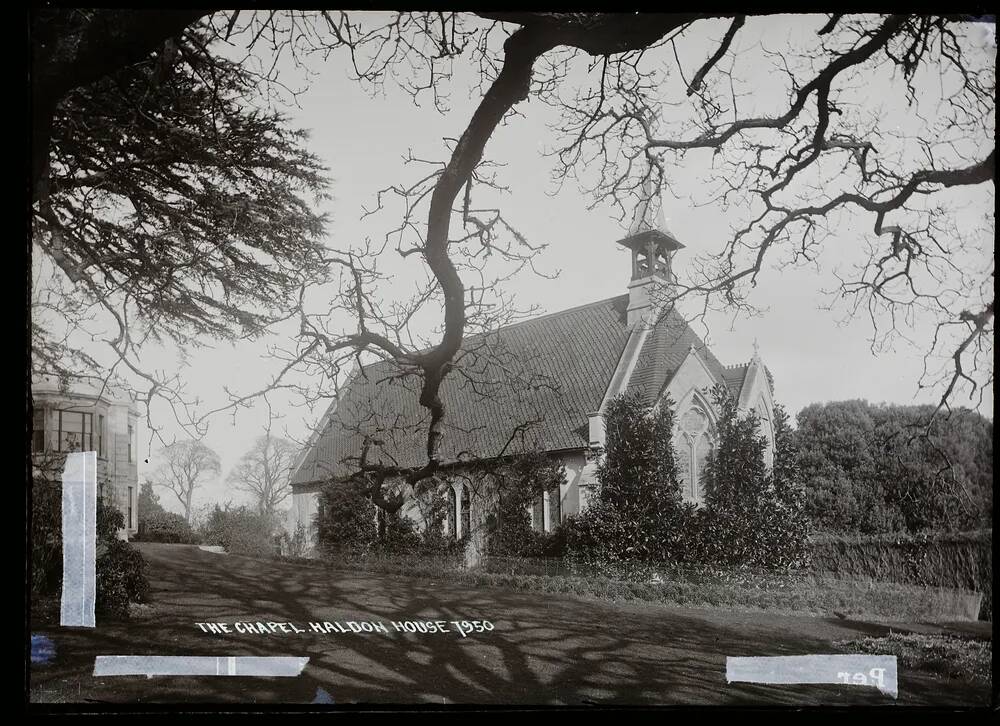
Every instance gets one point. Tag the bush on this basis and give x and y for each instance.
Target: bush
(513, 485)
(46, 537)
(950, 560)
(295, 544)
(121, 578)
(241, 531)
(166, 527)
(345, 519)
(120, 568)
(637, 513)
(754, 517)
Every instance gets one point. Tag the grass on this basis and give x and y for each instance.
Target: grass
(967, 660)
(793, 593)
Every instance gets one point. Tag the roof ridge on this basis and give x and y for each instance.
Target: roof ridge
(543, 316)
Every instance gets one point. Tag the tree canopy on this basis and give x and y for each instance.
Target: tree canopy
(867, 471)
(796, 158)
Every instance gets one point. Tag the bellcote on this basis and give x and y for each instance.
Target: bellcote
(652, 246)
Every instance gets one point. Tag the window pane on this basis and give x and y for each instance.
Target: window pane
(466, 526)
(555, 516)
(70, 431)
(452, 508)
(538, 515)
(701, 455)
(682, 451)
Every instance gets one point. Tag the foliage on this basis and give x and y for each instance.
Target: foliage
(148, 501)
(637, 512)
(46, 537)
(949, 560)
(872, 469)
(240, 530)
(120, 568)
(197, 200)
(515, 483)
(345, 519)
(166, 527)
(754, 516)
(296, 543)
(121, 579)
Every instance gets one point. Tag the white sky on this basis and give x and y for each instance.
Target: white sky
(363, 140)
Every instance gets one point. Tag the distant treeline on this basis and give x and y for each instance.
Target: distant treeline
(872, 468)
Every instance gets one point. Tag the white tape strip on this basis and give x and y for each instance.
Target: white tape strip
(79, 539)
(878, 671)
(198, 665)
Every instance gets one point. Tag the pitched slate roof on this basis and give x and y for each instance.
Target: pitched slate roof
(734, 377)
(546, 374)
(666, 347)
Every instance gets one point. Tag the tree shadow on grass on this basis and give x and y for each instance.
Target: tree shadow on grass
(545, 649)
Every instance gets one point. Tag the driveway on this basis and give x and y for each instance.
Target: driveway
(543, 649)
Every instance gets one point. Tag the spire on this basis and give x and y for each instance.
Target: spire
(652, 246)
(648, 215)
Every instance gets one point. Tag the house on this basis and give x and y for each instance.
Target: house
(543, 384)
(86, 417)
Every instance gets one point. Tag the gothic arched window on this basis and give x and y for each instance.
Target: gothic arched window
(767, 429)
(693, 442)
(466, 526)
(452, 507)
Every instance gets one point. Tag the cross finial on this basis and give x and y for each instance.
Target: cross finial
(756, 349)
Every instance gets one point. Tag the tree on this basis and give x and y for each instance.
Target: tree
(754, 515)
(149, 501)
(637, 513)
(187, 465)
(770, 156)
(263, 472)
(167, 202)
(868, 473)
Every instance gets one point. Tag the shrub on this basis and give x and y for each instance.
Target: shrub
(754, 517)
(166, 527)
(637, 513)
(513, 485)
(46, 537)
(295, 544)
(120, 568)
(241, 531)
(121, 578)
(345, 519)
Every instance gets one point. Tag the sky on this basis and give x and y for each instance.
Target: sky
(813, 353)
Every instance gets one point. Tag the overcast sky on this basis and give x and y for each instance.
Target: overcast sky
(813, 355)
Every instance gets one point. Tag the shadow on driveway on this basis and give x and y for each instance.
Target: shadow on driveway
(545, 649)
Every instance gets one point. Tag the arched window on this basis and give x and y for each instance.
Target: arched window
(466, 526)
(452, 507)
(555, 510)
(767, 429)
(693, 442)
(538, 514)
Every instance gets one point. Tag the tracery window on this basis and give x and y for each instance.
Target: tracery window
(693, 442)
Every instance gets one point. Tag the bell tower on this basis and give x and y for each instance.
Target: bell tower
(652, 248)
